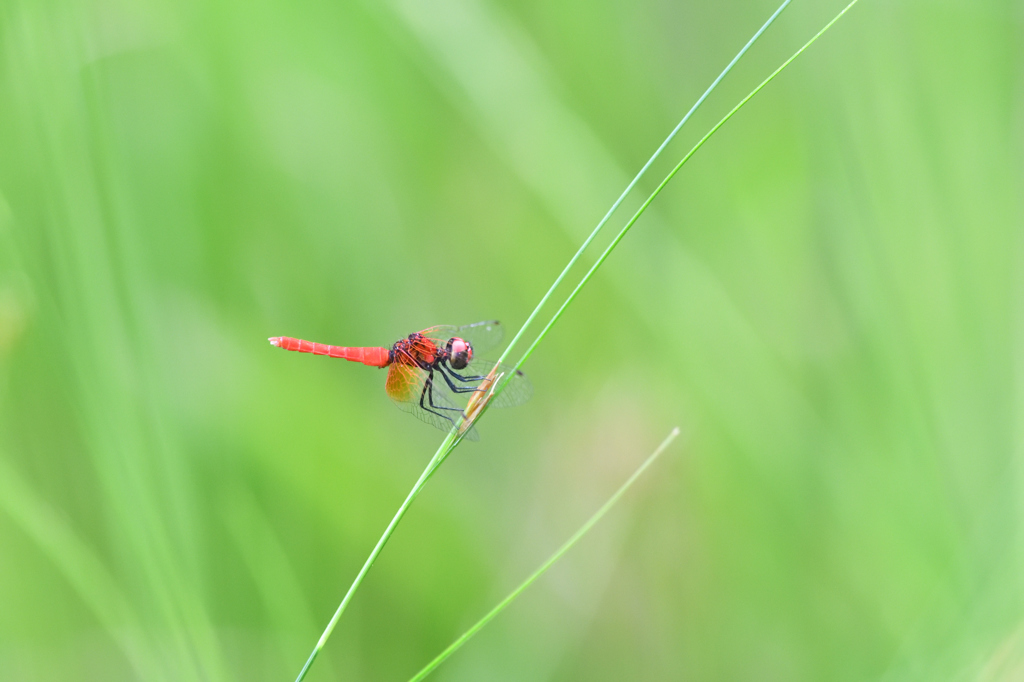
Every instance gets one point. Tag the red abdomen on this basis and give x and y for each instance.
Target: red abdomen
(374, 357)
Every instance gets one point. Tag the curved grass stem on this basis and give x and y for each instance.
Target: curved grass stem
(622, 233)
(629, 188)
(427, 669)
(442, 452)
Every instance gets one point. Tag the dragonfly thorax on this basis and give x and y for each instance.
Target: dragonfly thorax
(424, 352)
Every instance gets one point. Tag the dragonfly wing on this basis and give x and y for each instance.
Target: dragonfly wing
(405, 386)
(405, 382)
(483, 336)
(516, 392)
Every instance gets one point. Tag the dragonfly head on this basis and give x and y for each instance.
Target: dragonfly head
(460, 352)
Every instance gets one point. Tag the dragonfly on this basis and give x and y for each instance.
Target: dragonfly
(435, 373)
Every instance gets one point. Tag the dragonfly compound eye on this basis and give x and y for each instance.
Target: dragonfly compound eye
(459, 353)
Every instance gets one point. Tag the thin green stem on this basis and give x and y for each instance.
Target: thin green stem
(640, 211)
(547, 564)
(631, 185)
(438, 457)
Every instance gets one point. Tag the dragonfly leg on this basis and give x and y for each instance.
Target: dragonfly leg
(451, 385)
(466, 379)
(424, 394)
(428, 394)
(430, 399)
(519, 373)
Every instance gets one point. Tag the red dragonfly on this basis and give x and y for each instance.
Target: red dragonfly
(432, 372)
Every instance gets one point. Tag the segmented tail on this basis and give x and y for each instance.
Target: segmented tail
(374, 357)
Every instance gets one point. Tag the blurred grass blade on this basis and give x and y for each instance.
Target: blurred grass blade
(80, 566)
(442, 452)
(270, 567)
(636, 179)
(584, 529)
(657, 191)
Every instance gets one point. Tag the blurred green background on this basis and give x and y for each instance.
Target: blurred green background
(827, 300)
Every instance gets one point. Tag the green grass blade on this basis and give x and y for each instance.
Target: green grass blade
(583, 530)
(446, 446)
(81, 567)
(629, 188)
(668, 178)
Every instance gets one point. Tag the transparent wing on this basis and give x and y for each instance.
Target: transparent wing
(517, 392)
(405, 386)
(404, 382)
(483, 336)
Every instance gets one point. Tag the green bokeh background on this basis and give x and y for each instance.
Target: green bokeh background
(827, 300)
